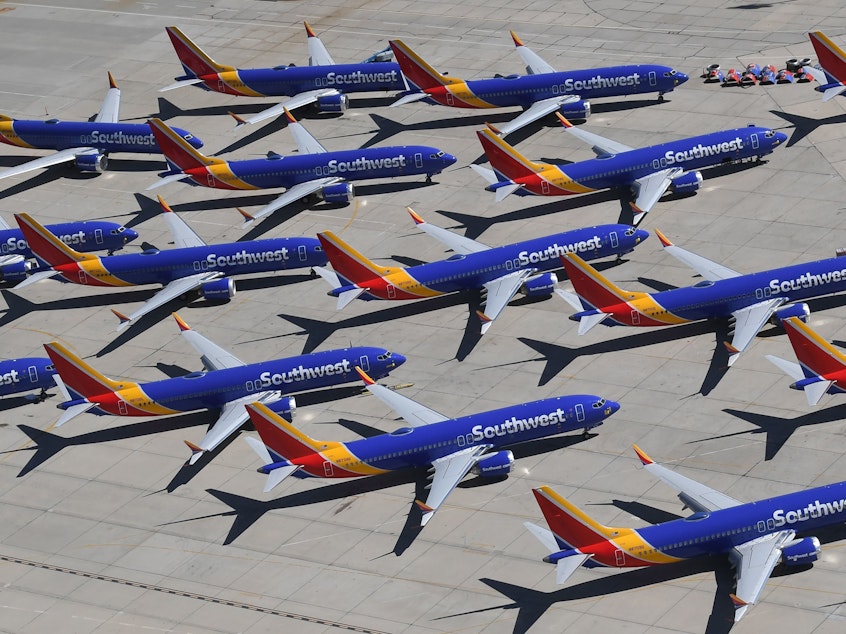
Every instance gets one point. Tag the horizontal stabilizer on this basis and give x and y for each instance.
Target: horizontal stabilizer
(543, 535)
(184, 82)
(73, 411)
(36, 277)
(589, 321)
(259, 448)
(815, 391)
(409, 98)
(277, 475)
(571, 298)
(831, 93)
(347, 296)
(166, 180)
(330, 276)
(504, 192)
(63, 389)
(793, 370)
(566, 566)
(488, 174)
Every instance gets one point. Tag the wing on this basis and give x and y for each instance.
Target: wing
(183, 82)
(534, 64)
(297, 101)
(306, 144)
(296, 192)
(232, 416)
(62, 156)
(754, 562)
(183, 235)
(694, 494)
(534, 112)
(317, 53)
(748, 322)
(411, 411)
(706, 268)
(449, 471)
(650, 188)
(110, 108)
(599, 144)
(6, 260)
(213, 356)
(173, 290)
(500, 291)
(457, 243)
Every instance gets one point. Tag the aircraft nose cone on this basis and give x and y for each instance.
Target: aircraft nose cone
(611, 407)
(129, 235)
(195, 142)
(397, 359)
(780, 137)
(448, 159)
(641, 235)
(681, 78)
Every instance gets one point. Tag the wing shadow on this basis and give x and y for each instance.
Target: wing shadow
(803, 126)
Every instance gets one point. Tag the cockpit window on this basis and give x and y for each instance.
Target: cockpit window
(383, 357)
(670, 73)
(188, 137)
(769, 133)
(599, 404)
(630, 231)
(437, 155)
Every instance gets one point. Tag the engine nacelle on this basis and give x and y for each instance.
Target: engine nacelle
(221, 290)
(495, 465)
(338, 193)
(687, 182)
(333, 103)
(802, 311)
(15, 272)
(579, 109)
(542, 285)
(92, 162)
(804, 551)
(286, 407)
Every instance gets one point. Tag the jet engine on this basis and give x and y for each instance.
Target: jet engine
(495, 465)
(15, 272)
(801, 310)
(687, 182)
(92, 162)
(579, 109)
(802, 551)
(218, 290)
(542, 285)
(338, 193)
(332, 103)
(285, 407)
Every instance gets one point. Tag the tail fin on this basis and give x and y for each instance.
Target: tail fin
(417, 71)
(831, 57)
(178, 152)
(80, 378)
(506, 161)
(571, 525)
(193, 59)
(281, 437)
(46, 246)
(349, 263)
(812, 351)
(592, 286)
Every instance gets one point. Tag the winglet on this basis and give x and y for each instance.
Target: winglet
(637, 213)
(247, 216)
(123, 318)
(165, 207)
(415, 216)
(493, 128)
(364, 376)
(643, 457)
(289, 116)
(485, 319)
(181, 323)
(731, 348)
(517, 40)
(424, 507)
(309, 30)
(738, 602)
(112, 82)
(664, 241)
(563, 120)
(238, 120)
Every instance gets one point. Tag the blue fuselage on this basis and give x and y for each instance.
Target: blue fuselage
(28, 373)
(93, 235)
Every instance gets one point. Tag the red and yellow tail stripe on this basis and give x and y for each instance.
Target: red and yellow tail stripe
(831, 57)
(48, 247)
(813, 351)
(192, 56)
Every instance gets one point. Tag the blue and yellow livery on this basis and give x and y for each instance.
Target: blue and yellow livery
(25, 374)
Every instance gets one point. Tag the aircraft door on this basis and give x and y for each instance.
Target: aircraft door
(327, 469)
(33, 374)
(450, 99)
(392, 291)
(615, 241)
(653, 78)
(209, 179)
(83, 277)
(580, 412)
(364, 363)
(98, 236)
(620, 558)
(221, 85)
(544, 187)
(755, 142)
(122, 407)
(418, 160)
(635, 318)
(301, 251)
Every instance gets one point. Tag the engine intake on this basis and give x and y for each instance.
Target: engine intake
(338, 193)
(540, 285)
(495, 465)
(92, 162)
(15, 272)
(286, 407)
(579, 109)
(801, 310)
(687, 182)
(221, 290)
(803, 551)
(333, 103)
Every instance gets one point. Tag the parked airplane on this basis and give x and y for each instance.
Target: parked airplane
(313, 172)
(499, 271)
(756, 536)
(832, 59)
(821, 368)
(751, 300)
(322, 83)
(86, 143)
(226, 384)
(91, 235)
(541, 92)
(26, 373)
(192, 266)
(649, 172)
(450, 447)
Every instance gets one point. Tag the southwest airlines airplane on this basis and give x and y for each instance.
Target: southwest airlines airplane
(86, 143)
(193, 265)
(322, 83)
(92, 235)
(648, 172)
(751, 300)
(832, 59)
(821, 368)
(27, 373)
(313, 172)
(756, 536)
(541, 92)
(226, 384)
(500, 271)
(449, 447)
